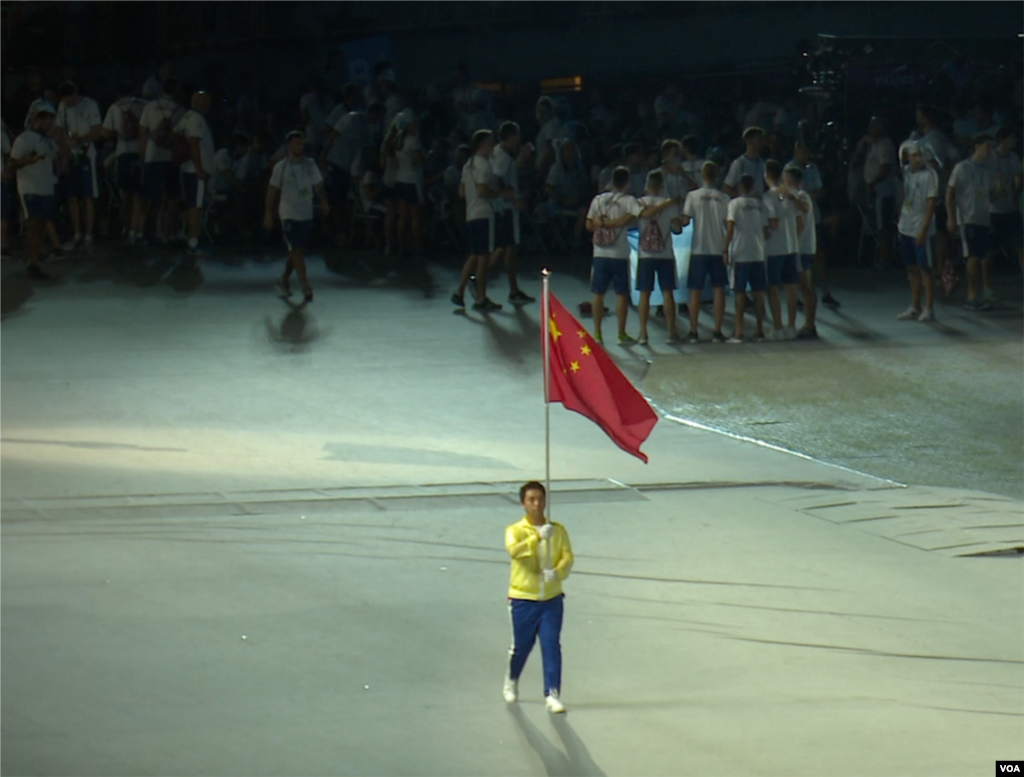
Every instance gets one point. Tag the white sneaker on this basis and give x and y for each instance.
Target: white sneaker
(910, 314)
(790, 332)
(69, 246)
(511, 690)
(927, 316)
(554, 704)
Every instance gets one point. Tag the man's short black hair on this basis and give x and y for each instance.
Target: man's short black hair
(691, 144)
(479, 137)
(620, 177)
(746, 183)
(508, 129)
(533, 485)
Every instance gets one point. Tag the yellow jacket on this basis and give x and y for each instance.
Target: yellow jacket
(529, 556)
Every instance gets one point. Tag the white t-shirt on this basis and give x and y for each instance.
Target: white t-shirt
(296, 181)
(744, 165)
(223, 162)
(750, 217)
(38, 178)
(114, 121)
(4, 145)
(1004, 170)
(152, 116)
(694, 169)
(783, 240)
(614, 205)
(153, 87)
(637, 182)
(882, 152)
(808, 240)
(503, 165)
(709, 209)
(973, 185)
(942, 148)
(664, 221)
(811, 183)
(477, 171)
(407, 173)
(918, 187)
(193, 125)
(79, 120)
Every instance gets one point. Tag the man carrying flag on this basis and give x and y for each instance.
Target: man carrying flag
(541, 559)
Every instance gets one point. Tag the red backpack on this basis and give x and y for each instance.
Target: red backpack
(131, 117)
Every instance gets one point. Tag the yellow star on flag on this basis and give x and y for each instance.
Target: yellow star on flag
(582, 333)
(575, 366)
(553, 328)
(585, 350)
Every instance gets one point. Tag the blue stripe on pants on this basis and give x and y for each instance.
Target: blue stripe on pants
(531, 620)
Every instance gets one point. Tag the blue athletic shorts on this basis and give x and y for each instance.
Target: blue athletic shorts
(37, 206)
(504, 229)
(781, 270)
(976, 240)
(749, 273)
(804, 262)
(297, 233)
(663, 269)
(608, 272)
(129, 173)
(913, 254)
(80, 181)
(196, 191)
(1008, 231)
(703, 265)
(480, 237)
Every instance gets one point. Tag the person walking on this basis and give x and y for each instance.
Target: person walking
(541, 559)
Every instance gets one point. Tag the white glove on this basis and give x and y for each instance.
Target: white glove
(545, 531)
(550, 576)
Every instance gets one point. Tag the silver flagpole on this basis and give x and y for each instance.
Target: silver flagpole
(547, 407)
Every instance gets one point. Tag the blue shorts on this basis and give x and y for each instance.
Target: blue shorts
(664, 269)
(914, 255)
(6, 201)
(1008, 231)
(407, 192)
(160, 179)
(480, 237)
(505, 229)
(976, 240)
(38, 206)
(752, 273)
(80, 182)
(129, 173)
(703, 265)
(337, 184)
(297, 233)
(804, 263)
(610, 271)
(196, 191)
(781, 270)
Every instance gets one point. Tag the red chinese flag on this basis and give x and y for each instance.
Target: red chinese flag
(585, 379)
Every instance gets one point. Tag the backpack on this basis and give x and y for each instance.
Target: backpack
(163, 135)
(652, 241)
(605, 237)
(130, 119)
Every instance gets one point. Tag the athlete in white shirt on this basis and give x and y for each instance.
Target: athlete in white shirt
(916, 227)
(969, 196)
(79, 124)
(479, 188)
(294, 181)
(195, 173)
(747, 229)
(409, 160)
(160, 179)
(1007, 225)
(656, 255)
(708, 209)
(31, 160)
(807, 243)
(122, 122)
(509, 156)
(782, 246)
(748, 163)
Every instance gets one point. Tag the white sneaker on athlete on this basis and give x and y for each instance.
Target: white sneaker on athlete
(554, 704)
(910, 314)
(511, 690)
(926, 316)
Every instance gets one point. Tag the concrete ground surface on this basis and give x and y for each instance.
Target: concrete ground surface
(187, 460)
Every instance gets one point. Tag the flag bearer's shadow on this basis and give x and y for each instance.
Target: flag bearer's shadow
(574, 762)
(296, 330)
